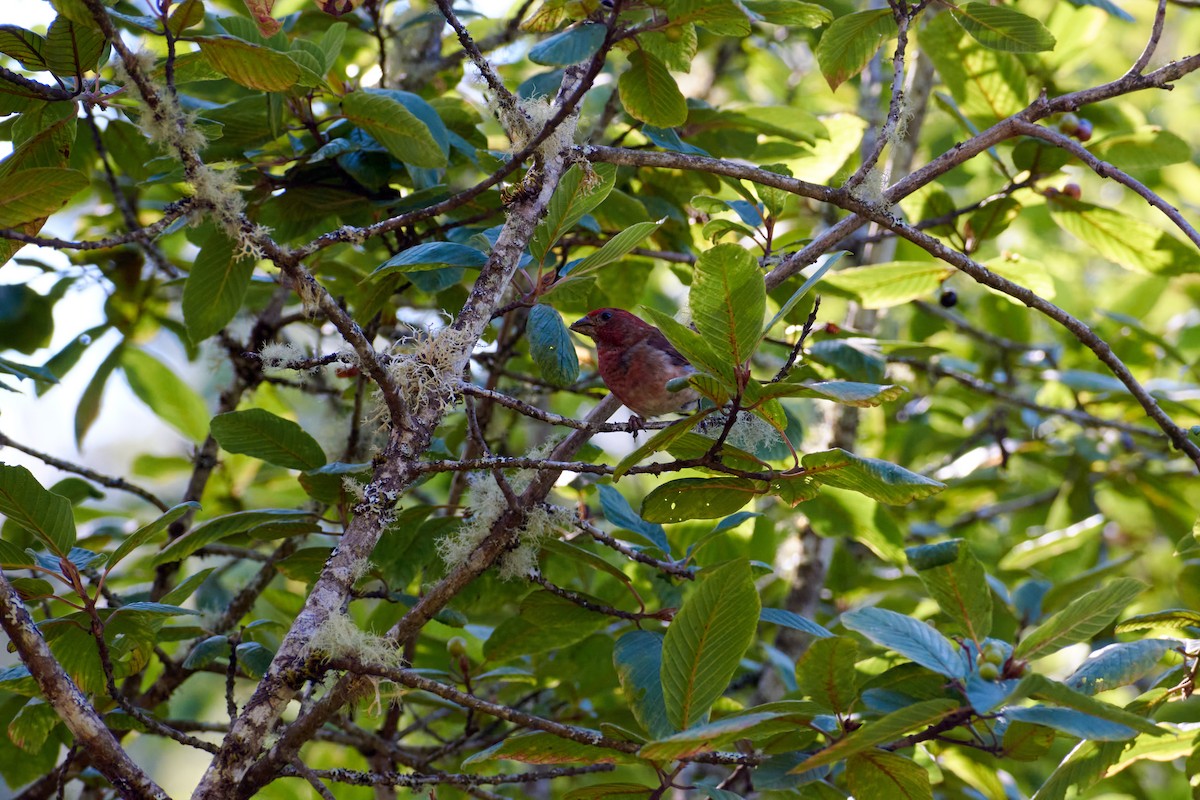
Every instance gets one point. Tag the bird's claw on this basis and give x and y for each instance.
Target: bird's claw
(635, 425)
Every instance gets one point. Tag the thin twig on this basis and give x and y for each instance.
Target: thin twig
(119, 484)
(895, 106)
(799, 345)
(599, 608)
(675, 569)
(991, 390)
(413, 680)
(987, 337)
(534, 412)
(358, 778)
(1106, 170)
(1152, 44)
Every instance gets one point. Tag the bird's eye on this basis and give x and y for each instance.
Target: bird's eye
(605, 316)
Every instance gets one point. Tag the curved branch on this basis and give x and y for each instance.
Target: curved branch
(119, 484)
(69, 702)
(1086, 336)
(1106, 170)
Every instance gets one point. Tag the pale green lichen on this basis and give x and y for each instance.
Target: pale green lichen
(527, 118)
(749, 432)
(426, 368)
(339, 637)
(488, 502)
(167, 125)
(282, 356)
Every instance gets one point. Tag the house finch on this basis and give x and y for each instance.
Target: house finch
(636, 361)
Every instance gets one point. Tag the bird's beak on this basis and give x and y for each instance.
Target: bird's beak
(584, 326)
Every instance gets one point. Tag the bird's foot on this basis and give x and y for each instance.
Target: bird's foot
(635, 425)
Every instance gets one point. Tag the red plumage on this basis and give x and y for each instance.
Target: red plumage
(636, 361)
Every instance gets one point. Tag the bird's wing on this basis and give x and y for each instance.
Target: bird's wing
(675, 358)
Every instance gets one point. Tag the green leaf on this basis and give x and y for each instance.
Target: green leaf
(912, 639)
(850, 42)
(701, 738)
(1033, 275)
(879, 480)
(215, 287)
(569, 47)
(26, 318)
(956, 580)
(546, 622)
(260, 434)
(911, 718)
(857, 358)
(826, 673)
(1144, 150)
(165, 393)
(699, 498)
(728, 300)
(218, 528)
(47, 516)
(539, 747)
(327, 483)
(792, 13)
(848, 393)
(24, 46)
(1173, 746)
(13, 557)
(33, 194)
(637, 657)
(618, 512)
(1076, 723)
(254, 659)
(249, 65)
(1175, 618)
(1024, 741)
(722, 17)
(658, 442)
(649, 92)
(1124, 240)
(71, 49)
(1003, 28)
(613, 250)
(551, 347)
(187, 586)
(148, 532)
(705, 642)
(578, 193)
(89, 402)
(891, 284)
(431, 256)
(185, 15)
(394, 126)
(1118, 664)
(876, 773)
(789, 619)
(32, 725)
(206, 652)
(987, 84)
(1083, 618)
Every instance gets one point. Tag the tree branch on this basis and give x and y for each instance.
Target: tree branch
(69, 702)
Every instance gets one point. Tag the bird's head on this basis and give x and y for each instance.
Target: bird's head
(612, 326)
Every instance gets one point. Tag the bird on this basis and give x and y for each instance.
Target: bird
(636, 361)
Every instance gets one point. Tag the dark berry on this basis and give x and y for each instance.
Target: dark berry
(948, 298)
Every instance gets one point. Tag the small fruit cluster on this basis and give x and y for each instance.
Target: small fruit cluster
(1075, 127)
(990, 659)
(993, 663)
